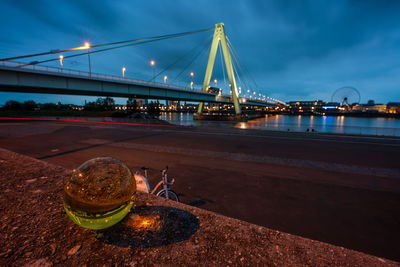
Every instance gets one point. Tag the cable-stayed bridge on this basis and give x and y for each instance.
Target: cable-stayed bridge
(33, 78)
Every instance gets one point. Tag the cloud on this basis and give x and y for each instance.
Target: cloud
(294, 49)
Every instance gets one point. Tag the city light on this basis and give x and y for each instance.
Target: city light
(123, 72)
(192, 74)
(86, 45)
(165, 79)
(215, 81)
(152, 64)
(61, 57)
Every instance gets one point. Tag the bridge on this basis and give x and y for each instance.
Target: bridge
(38, 79)
(32, 78)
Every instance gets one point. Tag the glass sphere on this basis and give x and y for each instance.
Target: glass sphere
(100, 193)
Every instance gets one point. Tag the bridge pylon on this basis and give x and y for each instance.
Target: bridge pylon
(219, 36)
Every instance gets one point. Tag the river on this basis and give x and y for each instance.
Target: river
(300, 123)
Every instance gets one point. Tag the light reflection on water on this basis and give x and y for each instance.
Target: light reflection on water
(299, 123)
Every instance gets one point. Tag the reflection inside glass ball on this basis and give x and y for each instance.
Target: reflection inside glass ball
(99, 193)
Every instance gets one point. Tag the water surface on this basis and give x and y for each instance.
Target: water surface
(300, 123)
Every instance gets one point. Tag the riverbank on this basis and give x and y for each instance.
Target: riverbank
(342, 190)
(79, 117)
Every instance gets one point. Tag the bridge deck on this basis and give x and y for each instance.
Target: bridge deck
(15, 77)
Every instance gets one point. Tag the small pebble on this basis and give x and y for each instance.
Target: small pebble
(40, 263)
(73, 250)
(53, 249)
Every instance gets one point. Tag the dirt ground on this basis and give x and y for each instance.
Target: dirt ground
(342, 190)
(37, 232)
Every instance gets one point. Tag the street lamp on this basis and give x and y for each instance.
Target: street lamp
(153, 64)
(123, 72)
(165, 79)
(215, 81)
(191, 82)
(61, 57)
(87, 46)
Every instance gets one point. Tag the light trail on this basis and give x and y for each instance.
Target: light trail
(91, 121)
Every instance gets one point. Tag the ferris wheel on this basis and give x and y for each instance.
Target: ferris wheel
(346, 96)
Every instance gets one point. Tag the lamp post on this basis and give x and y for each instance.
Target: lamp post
(123, 72)
(153, 64)
(87, 46)
(191, 82)
(165, 79)
(215, 81)
(61, 57)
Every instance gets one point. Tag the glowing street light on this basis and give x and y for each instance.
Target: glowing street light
(191, 82)
(153, 64)
(61, 57)
(123, 72)
(165, 79)
(215, 81)
(87, 46)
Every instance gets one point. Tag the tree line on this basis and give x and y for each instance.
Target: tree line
(101, 104)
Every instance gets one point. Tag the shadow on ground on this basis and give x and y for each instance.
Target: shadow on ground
(147, 227)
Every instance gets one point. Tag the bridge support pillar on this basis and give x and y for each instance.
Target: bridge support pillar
(219, 36)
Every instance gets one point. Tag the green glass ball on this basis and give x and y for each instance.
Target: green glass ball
(100, 193)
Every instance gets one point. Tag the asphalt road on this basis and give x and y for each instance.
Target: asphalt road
(343, 190)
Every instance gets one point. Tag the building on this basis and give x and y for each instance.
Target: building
(371, 107)
(393, 108)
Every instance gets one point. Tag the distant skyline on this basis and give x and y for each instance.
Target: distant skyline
(295, 50)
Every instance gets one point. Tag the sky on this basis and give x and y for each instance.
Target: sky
(294, 50)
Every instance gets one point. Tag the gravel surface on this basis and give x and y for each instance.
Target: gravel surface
(35, 231)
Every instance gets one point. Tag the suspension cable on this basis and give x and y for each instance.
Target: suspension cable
(244, 66)
(160, 37)
(222, 63)
(246, 82)
(237, 75)
(182, 57)
(98, 51)
(191, 62)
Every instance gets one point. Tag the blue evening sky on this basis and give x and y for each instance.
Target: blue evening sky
(295, 50)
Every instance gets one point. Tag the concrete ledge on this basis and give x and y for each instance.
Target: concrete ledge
(35, 230)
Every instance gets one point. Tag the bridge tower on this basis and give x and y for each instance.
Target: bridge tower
(219, 35)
